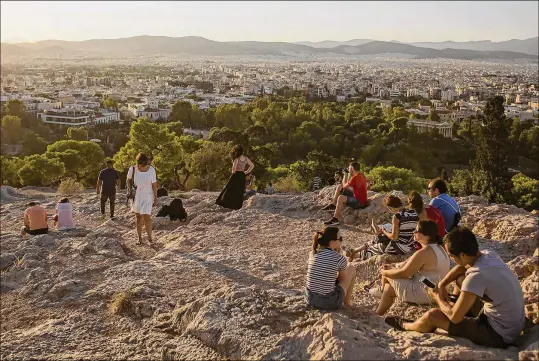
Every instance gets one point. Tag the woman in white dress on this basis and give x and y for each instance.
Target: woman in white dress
(143, 179)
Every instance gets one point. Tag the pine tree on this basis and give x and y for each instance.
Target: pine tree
(490, 167)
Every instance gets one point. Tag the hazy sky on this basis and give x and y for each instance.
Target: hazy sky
(405, 21)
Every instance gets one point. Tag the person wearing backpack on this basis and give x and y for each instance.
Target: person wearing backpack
(142, 180)
(446, 204)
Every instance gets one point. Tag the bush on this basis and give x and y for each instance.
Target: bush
(386, 179)
(461, 183)
(69, 186)
(525, 191)
(288, 183)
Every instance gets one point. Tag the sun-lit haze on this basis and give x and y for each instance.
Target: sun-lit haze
(406, 21)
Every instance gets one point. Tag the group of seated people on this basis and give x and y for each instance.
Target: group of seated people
(486, 304)
(36, 220)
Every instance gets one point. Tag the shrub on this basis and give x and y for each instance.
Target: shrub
(385, 179)
(525, 191)
(288, 183)
(461, 183)
(69, 186)
(122, 303)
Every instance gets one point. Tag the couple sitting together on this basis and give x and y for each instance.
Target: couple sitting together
(36, 220)
(486, 305)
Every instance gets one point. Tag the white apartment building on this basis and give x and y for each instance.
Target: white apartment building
(107, 117)
(65, 117)
(153, 113)
(422, 126)
(449, 95)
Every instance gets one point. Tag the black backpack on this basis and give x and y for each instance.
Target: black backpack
(162, 192)
(174, 210)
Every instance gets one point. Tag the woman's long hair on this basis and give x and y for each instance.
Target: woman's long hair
(237, 151)
(430, 229)
(415, 202)
(324, 237)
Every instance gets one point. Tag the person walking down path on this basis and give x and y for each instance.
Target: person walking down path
(142, 178)
(232, 194)
(107, 182)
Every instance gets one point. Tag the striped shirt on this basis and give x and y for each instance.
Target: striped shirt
(323, 269)
(408, 219)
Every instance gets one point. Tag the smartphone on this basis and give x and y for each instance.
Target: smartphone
(427, 282)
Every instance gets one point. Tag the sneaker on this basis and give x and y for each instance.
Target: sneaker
(332, 222)
(329, 207)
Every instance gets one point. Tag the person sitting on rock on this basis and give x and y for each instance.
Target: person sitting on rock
(330, 279)
(401, 238)
(489, 309)
(35, 220)
(402, 280)
(352, 194)
(444, 203)
(426, 212)
(249, 186)
(63, 219)
(269, 189)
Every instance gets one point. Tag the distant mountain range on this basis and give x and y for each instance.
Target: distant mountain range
(526, 46)
(143, 45)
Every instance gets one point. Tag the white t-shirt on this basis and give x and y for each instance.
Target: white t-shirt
(65, 215)
(143, 180)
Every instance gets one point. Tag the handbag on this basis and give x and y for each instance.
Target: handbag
(131, 192)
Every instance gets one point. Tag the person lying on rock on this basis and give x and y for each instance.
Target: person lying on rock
(489, 309)
(402, 280)
(63, 219)
(35, 220)
(330, 279)
(352, 193)
(401, 238)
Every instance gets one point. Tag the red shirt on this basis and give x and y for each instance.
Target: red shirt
(435, 215)
(359, 184)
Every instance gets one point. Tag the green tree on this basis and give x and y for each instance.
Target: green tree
(110, 103)
(386, 179)
(489, 168)
(181, 112)
(525, 191)
(77, 133)
(91, 154)
(15, 107)
(32, 143)
(433, 115)
(9, 168)
(211, 165)
(11, 129)
(461, 183)
(38, 170)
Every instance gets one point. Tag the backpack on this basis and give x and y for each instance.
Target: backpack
(174, 210)
(456, 220)
(162, 192)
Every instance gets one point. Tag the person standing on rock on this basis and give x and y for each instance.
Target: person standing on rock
(489, 307)
(107, 183)
(35, 220)
(142, 178)
(232, 194)
(446, 204)
(352, 193)
(330, 279)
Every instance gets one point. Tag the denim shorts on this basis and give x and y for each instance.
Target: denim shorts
(351, 201)
(330, 301)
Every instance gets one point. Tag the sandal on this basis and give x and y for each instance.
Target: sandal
(396, 322)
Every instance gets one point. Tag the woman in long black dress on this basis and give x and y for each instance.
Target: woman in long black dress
(233, 192)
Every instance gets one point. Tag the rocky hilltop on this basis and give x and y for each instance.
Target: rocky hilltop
(223, 285)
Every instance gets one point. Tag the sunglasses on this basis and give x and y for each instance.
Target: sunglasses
(417, 231)
(431, 188)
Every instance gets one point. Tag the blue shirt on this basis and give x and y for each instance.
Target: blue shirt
(448, 207)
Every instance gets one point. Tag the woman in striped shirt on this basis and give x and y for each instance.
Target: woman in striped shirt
(401, 238)
(330, 279)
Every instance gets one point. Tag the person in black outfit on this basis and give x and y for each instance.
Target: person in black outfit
(108, 181)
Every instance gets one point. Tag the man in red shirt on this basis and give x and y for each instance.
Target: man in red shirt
(352, 193)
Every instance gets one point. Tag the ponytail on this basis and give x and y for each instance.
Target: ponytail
(317, 236)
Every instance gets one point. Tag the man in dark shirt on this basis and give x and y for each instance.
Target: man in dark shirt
(108, 181)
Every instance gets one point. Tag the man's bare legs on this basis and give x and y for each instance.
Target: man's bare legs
(341, 202)
(148, 224)
(337, 194)
(346, 281)
(430, 321)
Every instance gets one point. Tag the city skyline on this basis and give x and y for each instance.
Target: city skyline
(271, 21)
